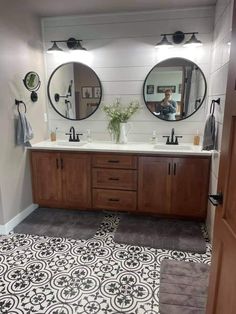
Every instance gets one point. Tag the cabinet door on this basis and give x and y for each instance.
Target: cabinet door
(154, 184)
(46, 178)
(189, 187)
(76, 180)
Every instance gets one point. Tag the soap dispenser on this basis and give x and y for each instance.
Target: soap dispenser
(196, 139)
(53, 135)
(88, 135)
(154, 137)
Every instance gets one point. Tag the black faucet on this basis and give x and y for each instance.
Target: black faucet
(172, 139)
(74, 137)
(172, 135)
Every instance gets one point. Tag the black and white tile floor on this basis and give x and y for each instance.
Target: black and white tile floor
(63, 276)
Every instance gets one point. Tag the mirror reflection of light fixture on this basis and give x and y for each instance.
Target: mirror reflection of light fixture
(72, 43)
(178, 37)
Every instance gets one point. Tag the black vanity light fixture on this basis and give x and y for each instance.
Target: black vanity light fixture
(72, 44)
(164, 42)
(177, 38)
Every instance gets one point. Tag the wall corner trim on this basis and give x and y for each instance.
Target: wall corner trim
(10, 225)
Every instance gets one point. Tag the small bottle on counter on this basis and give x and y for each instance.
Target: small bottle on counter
(196, 139)
(154, 137)
(89, 137)
(53, 135)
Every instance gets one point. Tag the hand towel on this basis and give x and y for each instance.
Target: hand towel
(70, 114)
(209, 133)
(24, 132)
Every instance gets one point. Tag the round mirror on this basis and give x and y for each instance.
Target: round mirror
(174, 89)
(74, 91)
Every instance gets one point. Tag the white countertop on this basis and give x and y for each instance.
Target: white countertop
(133, 147)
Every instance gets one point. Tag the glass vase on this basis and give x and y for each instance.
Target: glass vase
(114, 129)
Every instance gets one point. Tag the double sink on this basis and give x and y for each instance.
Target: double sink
(104, 145)
(172, 144)
(133, 147)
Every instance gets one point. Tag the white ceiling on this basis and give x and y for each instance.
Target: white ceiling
(48, 8)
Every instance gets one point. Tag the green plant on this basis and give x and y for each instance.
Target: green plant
(118, 113)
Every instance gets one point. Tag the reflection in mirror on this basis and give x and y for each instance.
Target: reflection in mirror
(74, 91)
(174, 89)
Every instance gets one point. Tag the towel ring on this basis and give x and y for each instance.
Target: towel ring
(212, 107)
(17, 103)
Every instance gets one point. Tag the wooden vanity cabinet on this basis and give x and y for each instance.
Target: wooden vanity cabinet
(61, 179)
(164, 185)
(173, 186)
(114, 182)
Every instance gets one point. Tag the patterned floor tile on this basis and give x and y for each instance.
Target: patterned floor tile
(41, 274)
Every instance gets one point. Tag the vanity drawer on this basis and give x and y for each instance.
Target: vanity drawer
(114, 161)
(113, 199)
(115, 179)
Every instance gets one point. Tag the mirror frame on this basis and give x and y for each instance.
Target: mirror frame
(204, 96)
(50, 99)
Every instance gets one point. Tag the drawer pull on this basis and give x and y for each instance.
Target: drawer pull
(114, 179)
(57, 163)
(174, 169)
(113, 199)
(114, 161)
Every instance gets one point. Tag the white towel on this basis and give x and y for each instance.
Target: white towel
(70, 114)
(24, 132)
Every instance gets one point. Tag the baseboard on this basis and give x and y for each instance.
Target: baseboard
(10, 225)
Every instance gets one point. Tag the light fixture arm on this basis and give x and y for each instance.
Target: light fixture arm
(181, 32)
(178, 37)
(72, 44)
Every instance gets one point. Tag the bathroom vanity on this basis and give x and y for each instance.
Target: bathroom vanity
(136, 178)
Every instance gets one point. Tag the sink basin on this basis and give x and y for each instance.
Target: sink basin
(67, 143)
(173, 147)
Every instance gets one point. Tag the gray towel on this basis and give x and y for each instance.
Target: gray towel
(24, 132)
(209, 134)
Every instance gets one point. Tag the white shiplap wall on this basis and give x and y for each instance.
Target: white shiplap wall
(121, 51)
(217, 88)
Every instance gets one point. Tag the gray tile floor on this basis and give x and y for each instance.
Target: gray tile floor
(40, 274)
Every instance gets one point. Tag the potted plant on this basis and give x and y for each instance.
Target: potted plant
(119, 114)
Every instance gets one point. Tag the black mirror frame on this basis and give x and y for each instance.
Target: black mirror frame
(50, 99)
(204, 96)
